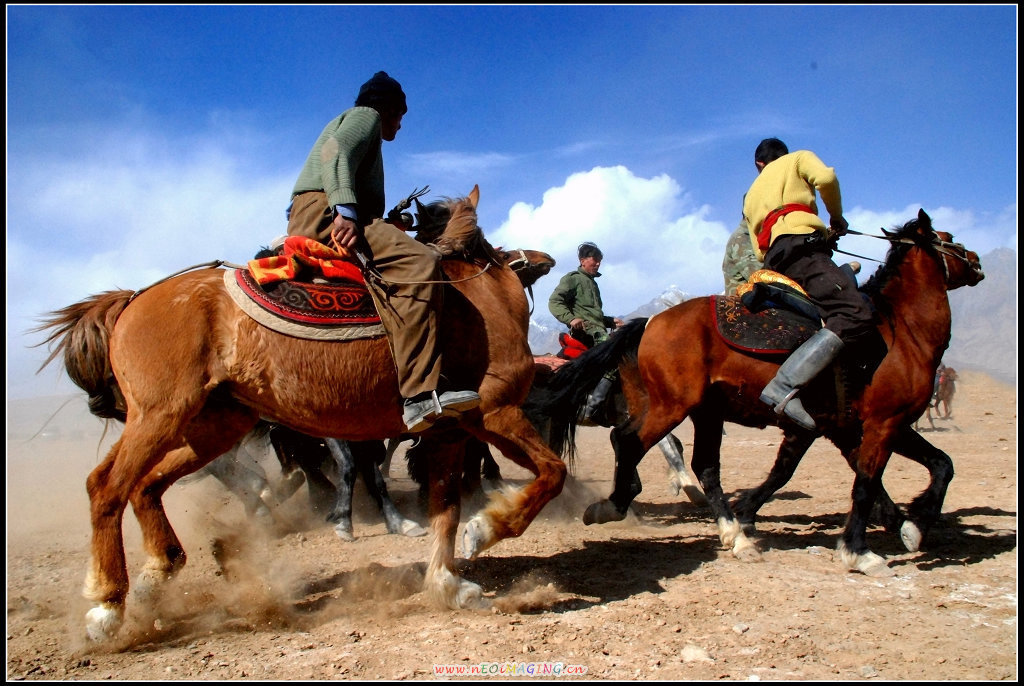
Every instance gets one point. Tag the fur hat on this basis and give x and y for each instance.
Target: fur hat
(382, 91)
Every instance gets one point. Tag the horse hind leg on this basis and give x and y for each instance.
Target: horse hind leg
(629, 451)
(369, 455)
(706, 464)
(680, 480)
(341, 512)
(110, 486)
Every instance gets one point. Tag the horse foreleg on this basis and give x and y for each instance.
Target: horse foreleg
(510, 511)
(250, 485)
(706, 464)
(869, 462)
(792, 449)
(341, 512)
(925, 509)
(441, 583)
(679, 476)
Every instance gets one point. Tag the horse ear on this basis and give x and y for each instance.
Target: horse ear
(474, 196)
(923, 220)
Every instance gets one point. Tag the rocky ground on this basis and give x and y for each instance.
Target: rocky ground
(653, 597)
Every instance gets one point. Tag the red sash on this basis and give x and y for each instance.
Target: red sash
(764, 238)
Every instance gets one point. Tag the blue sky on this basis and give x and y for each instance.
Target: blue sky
(142, 140)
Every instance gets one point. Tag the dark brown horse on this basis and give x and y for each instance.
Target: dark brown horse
(188, 397)
(685, 369)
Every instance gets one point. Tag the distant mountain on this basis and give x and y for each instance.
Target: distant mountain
(984, 336)
(985, 320)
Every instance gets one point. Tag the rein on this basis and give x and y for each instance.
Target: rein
(521, 263)
(215, 264)
(942, 247)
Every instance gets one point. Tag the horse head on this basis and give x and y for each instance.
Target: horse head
(960, 266)
(529, 265)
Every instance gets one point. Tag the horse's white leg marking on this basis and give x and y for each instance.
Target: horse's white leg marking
(103, 621)
(151, 579)
(446, 589)
(868, 563)
(479, 534)
(733, 537)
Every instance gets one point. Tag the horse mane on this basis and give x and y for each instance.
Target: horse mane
(450, 226)
(915, 233)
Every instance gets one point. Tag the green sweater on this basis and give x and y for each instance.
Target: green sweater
(346, 164)
(577, 295)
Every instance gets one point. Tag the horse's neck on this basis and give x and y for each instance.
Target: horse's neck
(919, 302)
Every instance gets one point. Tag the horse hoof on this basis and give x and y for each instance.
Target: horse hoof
(471, 597)
(748, 553)
(695, 495)
(475, 538)
(148, 584)
(868, 564)
(602, 513)
(103, 621)
(412, 529)
(911, 536)
(675, 486)
(344, 534)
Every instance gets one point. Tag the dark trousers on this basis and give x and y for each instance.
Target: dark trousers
(807, 259)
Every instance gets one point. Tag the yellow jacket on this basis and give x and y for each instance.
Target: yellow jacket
(792, 178)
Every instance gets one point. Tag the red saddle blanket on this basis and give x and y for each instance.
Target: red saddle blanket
(284, 285)
(322, 304)
(772, 330)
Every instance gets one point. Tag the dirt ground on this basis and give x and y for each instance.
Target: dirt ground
(655, 597)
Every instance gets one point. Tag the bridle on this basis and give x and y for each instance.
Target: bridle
(522, 262)
(944, 248)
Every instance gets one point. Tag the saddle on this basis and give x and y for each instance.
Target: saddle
(770, 314)
(308, 291)
(571, 348)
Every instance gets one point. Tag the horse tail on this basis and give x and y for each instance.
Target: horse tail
(82, 333)
(560, 401)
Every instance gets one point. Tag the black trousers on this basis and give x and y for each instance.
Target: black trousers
(807, 259)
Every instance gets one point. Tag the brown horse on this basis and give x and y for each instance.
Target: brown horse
(685, 369)
(188, 397)
(944, 393)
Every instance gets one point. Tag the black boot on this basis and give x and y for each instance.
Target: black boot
(596, 400)
(799, 368)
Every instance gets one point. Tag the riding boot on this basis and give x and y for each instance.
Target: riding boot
(596, 399)
(799, 368)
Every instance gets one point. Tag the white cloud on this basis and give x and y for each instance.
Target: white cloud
(123, 216)
(650, 234)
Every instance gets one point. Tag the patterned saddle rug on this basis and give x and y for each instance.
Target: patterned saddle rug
(770, 316)
(320, 310)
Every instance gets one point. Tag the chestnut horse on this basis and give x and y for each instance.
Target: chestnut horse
(685, 369)
(188, 397)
